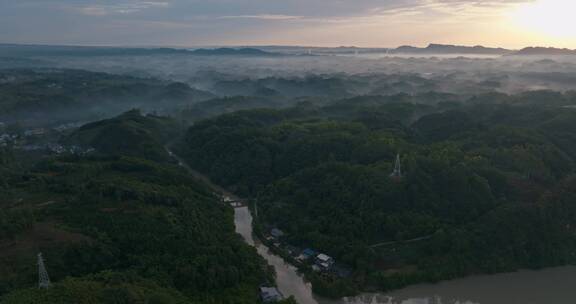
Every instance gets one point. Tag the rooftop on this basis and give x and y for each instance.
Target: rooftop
(270, 294)
(324, 258)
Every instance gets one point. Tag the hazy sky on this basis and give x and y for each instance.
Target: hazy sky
(508, 23)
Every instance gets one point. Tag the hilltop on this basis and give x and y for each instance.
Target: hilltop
(130, 134)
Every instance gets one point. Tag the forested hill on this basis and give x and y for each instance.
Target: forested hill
(488, 184)
(115, 228)
(129, 134)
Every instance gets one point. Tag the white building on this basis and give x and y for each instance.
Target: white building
(324, 261)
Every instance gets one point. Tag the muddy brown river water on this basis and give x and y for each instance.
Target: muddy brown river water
(549, 286)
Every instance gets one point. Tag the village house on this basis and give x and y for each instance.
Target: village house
(270, 295)
(324, 261)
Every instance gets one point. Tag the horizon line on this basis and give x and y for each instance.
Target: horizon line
(272, 45)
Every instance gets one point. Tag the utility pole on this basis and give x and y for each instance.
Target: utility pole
(43, 278)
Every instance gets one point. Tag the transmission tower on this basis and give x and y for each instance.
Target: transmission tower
(43, 278)
(397, 173)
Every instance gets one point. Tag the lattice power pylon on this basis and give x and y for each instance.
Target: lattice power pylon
(397, 173)
(43, 278)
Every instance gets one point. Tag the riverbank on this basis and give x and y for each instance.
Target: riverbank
(478, 289)
(288, 280)
(329, 278)
(547, 286)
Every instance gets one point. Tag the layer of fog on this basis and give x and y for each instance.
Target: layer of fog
(379, 75)
(284, 80)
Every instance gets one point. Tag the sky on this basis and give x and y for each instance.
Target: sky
(365, 23)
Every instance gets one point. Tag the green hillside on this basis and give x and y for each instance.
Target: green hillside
(482, 189)
(130, 134)
(121, 229)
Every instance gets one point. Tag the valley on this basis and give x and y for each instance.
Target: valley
(358, 183)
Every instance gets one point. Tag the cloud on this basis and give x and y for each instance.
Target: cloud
(118, 8)
(263, 17)
(197, 22)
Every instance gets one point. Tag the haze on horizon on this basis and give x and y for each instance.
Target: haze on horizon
(368, 23)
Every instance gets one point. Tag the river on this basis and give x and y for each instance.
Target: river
(289, 282)
(548, 286)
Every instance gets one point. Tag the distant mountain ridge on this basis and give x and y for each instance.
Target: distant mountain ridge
(451, 49)
(21, 50)
(458, 49)
(531, 51)
(232, 51)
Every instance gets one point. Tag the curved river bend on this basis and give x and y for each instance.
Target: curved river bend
(550, 286)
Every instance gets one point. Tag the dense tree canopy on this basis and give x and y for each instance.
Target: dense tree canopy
(120, 226)
(130, 134)
(471, 170)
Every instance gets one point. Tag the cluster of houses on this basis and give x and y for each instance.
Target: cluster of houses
(58, 129)
(68, 126)
(34, 139)
(319, 262)
(35, 132)
(7, 139)
(11, 139)
(57, 149)
(18, 143)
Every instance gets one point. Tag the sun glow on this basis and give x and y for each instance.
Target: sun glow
(555, 18)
